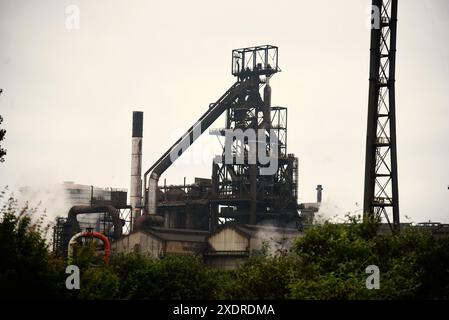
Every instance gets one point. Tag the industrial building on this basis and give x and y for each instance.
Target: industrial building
(87, 195)
(230, 215)
(231, 244)
(250, 199)
(159, 242)
(249, 204)
(103, 210)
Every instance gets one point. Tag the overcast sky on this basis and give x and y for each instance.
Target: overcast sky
(69, 94)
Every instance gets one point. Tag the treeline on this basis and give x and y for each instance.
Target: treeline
(328, 262)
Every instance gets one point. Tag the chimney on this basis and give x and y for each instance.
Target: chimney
(136, 165)
(319, 188)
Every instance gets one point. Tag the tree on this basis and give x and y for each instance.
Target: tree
(2, 136)
(264, 277)
(327, 262)
(172, 277)
(412, 264)
(27, 271)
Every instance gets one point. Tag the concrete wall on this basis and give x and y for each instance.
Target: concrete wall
(139, 242)
(228, 240)
(184, 247)
(147, 244)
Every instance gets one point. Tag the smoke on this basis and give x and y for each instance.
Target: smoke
(45, 202)
(330, 212)
(275, 240)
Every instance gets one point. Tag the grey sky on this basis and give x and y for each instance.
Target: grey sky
(68, 94)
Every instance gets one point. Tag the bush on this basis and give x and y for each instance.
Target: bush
(412, 264)
(327, 262)
(263, 277)
(27, 270)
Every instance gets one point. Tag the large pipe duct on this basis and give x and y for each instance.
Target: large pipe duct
(190, 136)
(267, 105)
(76, 210)
(136, 164)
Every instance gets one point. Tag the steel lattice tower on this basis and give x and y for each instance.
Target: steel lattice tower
(239, 189)
(381, 173)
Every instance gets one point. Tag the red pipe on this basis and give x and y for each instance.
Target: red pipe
(102, 237)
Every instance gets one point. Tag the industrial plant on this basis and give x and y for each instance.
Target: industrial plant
(251, 196)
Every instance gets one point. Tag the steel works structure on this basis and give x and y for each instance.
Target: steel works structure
(381, 173)
(240, 190)
(106, 211)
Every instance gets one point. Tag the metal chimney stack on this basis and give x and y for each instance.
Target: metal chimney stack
(319, 189)
(136, 164)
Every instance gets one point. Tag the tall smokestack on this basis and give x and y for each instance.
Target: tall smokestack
(319, 189)
(136, 164)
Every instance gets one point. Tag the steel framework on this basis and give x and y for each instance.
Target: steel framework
(260, 60)
(241, 188)
(381, 176)
(240, 192)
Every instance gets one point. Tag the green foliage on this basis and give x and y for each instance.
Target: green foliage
(336, 255)
(98, 283)
(327, 262)
(168, 278)
(263, 278)
(26, 268)
(225, 285)
(87, 255)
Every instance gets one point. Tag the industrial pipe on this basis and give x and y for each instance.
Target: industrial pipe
(102, 237)
(267, 105)
(152, 193)
(189, 137)
(76, 210)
